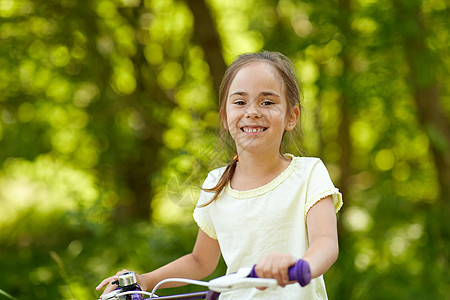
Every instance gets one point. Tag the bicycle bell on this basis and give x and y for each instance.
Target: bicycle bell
(127, 279)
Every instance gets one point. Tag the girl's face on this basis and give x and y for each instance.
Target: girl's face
(257, 110)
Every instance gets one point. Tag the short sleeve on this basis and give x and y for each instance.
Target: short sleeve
(202, 215)
(320, 186)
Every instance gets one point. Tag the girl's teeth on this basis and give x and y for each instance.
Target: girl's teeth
(253, 129)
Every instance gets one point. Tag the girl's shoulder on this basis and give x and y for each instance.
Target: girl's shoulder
(213, 177)
(308, 165)
(303, 161)
(310, 159)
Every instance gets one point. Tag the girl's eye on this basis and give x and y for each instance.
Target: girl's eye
(267, 103)
(239, 102)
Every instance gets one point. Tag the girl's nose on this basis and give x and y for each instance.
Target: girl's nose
(252, 112)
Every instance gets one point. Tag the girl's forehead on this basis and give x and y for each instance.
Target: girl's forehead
(257, 67)
(257, 73)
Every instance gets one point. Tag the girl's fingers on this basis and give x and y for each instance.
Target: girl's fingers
(108, 280)
(284, 278)
(275, 266)
(277, 273)
(122, 272)
(284, 271)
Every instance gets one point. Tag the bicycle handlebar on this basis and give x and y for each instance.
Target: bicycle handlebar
(244, 278)
(299, 272)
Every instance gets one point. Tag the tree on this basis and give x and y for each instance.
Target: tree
(108, 118)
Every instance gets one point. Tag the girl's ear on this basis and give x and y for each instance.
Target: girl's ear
(293, 118)
(225, 125)
(223, 118)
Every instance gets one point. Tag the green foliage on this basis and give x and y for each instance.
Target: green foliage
(59, 260)
(108, 125)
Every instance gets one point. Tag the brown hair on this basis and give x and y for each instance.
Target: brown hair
(292, 89)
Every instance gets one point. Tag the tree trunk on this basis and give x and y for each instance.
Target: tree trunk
(137, 170)
(425, 90)
(206, 34)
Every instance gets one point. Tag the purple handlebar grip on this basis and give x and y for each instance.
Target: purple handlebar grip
(299, 272)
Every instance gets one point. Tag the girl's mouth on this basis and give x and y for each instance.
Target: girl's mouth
(253, 129)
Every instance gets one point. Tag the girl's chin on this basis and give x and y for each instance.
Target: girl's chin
(252, 146)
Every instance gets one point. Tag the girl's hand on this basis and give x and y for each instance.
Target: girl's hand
(111, 287)
(276, 266)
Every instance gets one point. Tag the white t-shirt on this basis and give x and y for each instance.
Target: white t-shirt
(272, 218)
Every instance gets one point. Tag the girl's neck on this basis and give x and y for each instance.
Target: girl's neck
(255, 170)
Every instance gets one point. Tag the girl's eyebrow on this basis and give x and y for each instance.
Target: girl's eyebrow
(269, 93)
(264, 93)
(238, 94)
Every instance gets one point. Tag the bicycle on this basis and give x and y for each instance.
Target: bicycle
(128, 289)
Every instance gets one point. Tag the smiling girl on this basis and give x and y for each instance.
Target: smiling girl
(265, 207)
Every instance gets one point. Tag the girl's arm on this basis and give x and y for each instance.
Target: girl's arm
(323, 239)
(323, 246)
(196, 265)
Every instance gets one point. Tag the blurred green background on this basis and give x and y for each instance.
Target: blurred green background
(108, 126)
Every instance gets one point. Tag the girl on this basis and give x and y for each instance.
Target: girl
(265, 207)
